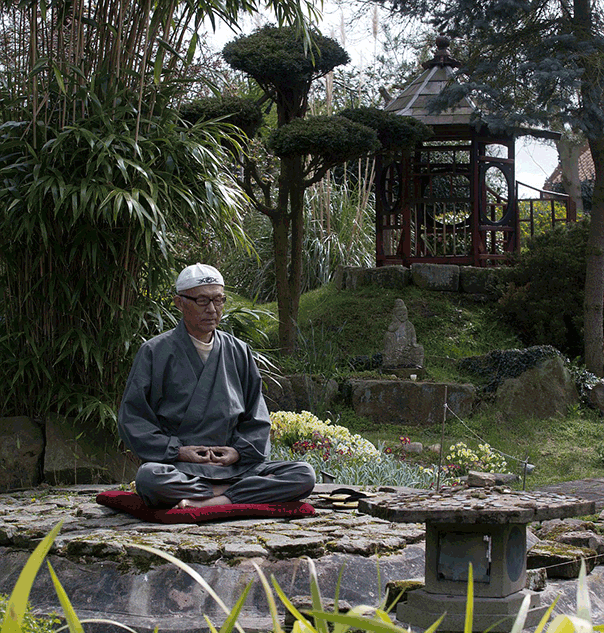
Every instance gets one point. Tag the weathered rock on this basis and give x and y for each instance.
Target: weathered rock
(278, 394)
(585, 539)
(308, 391)
(304, 604)
(479, 479)
(397, 591)
(21, 452)
(536, 579)
(544, 391)
(478, 281)
(400, 343)
(353, 277)
(408, 402)
(436, 277)
(560, 560)
(83, 456)
(413, 447)
(596, 395)
(552, 528)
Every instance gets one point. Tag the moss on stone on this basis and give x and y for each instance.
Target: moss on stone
(397, 590)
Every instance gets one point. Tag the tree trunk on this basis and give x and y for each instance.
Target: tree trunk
(591, 104)
(594, 274)
(569, 152)
(281, 252)
(296, 201)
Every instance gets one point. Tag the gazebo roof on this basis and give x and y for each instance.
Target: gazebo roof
(413, 101)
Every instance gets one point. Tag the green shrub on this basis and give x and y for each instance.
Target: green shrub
(544, 296)
(32, 623)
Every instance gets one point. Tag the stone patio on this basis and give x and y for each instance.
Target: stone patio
(106, 576)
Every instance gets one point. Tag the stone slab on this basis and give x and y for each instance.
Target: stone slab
(409, 402)
(21, 453)
(471, 506)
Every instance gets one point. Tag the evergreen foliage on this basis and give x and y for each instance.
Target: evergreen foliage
(241, 112)
(281, 64)
(545, 289)
(499, 365)
(393, 131)
(329, 139)
(278, 59)
(98, 180)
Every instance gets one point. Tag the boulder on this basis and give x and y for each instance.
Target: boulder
(76, 455)
(479, 479)
(536, 579)
(545, 391)
(596, 395)
(413, 447)
(309, 391)
(21, 452)
(400, 343)
(352, 277)
(408, 402)
(436, 277)
(585, 539)
(278, 394)
(560, 560)
(478, 281)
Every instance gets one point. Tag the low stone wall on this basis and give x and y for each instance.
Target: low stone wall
(410, 403)
(439, 277)
(55, 452)
(396, 402)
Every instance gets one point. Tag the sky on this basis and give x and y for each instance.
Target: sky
(535, 159)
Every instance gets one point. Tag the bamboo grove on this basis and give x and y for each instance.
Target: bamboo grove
(97, 171)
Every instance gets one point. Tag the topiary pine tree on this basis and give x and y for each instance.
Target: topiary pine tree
(533, 62)
(277, 59)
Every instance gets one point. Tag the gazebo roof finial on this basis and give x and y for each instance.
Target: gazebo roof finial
(442, 57)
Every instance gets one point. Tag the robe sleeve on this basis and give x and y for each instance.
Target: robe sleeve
(251, 437)
(138, 425)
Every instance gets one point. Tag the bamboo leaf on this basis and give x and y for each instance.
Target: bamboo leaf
(583, 601)
(70, 615)
(469, 601)
(518, 625)
(358, 622)
(315, 593)
(99, 621)
(189, 570)
(229, 623)
(270, 599)
(17, 602)
(158, 66)
(546, 616)
(290, 607)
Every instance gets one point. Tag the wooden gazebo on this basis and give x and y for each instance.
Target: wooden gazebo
(453, 200)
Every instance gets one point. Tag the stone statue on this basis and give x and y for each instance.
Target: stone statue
(400, 344)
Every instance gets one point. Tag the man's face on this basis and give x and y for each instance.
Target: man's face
(200, 321)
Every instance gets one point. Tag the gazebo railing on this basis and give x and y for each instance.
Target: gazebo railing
(537, 214)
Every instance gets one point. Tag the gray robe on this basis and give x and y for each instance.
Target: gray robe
(173, 399)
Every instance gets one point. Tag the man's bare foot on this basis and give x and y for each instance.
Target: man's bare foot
(220, 500)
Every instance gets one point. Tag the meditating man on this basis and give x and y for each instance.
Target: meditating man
(193, 412)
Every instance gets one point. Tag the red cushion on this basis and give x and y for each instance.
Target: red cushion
(130, 502)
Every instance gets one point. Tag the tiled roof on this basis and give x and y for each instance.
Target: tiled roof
(414, 99)
(587, 171)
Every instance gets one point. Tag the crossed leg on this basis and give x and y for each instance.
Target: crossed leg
(164, 485)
